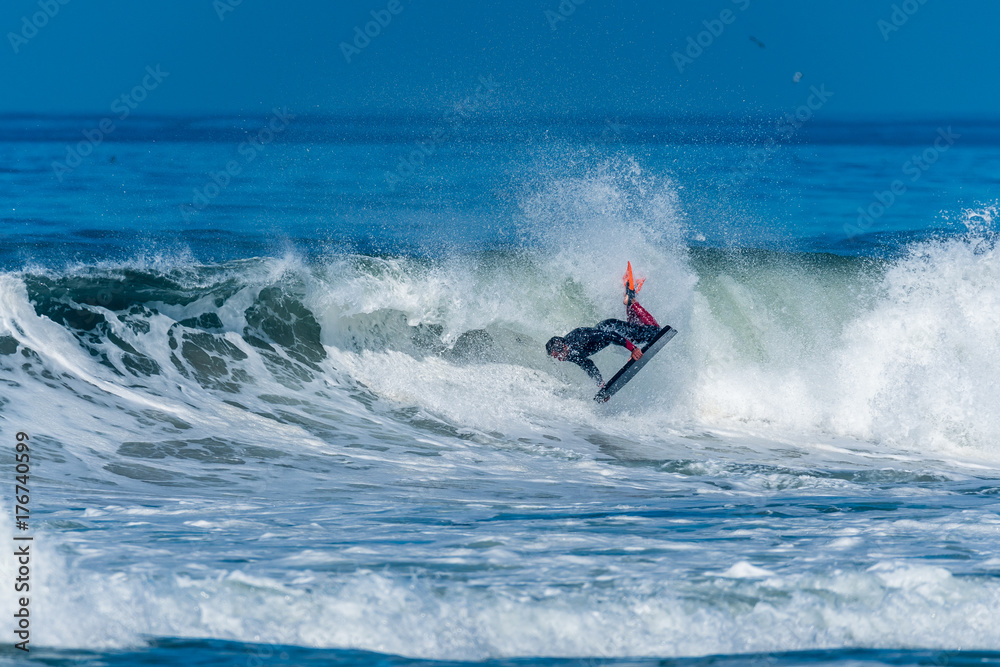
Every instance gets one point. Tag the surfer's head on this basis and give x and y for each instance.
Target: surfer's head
(557, 348)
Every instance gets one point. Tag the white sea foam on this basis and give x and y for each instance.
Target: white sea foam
(749, 609)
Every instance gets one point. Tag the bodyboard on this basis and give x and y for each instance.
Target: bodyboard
(632, 366)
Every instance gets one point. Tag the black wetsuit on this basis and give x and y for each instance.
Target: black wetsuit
(586, 341)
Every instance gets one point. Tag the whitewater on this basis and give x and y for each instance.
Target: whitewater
(333, 451)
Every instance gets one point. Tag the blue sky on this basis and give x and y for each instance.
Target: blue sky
(606, 56)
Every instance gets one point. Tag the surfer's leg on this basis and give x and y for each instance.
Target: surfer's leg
(642, 333)
(638, 315)
(637, 333)
(614, 325)
(617, 326)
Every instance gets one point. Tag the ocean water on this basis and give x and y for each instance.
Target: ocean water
(288, 402)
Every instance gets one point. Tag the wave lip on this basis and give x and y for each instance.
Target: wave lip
(900, 351)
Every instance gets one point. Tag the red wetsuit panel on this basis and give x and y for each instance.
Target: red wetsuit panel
(638, 315)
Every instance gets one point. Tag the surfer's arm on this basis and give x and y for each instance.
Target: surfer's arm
(591, 369)
(620, 340)
(634, 349)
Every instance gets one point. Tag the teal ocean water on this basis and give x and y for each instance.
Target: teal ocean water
(288, 401)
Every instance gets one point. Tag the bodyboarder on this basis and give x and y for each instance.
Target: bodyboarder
(580, 344)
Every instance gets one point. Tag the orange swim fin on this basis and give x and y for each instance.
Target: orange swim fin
(631, 286)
